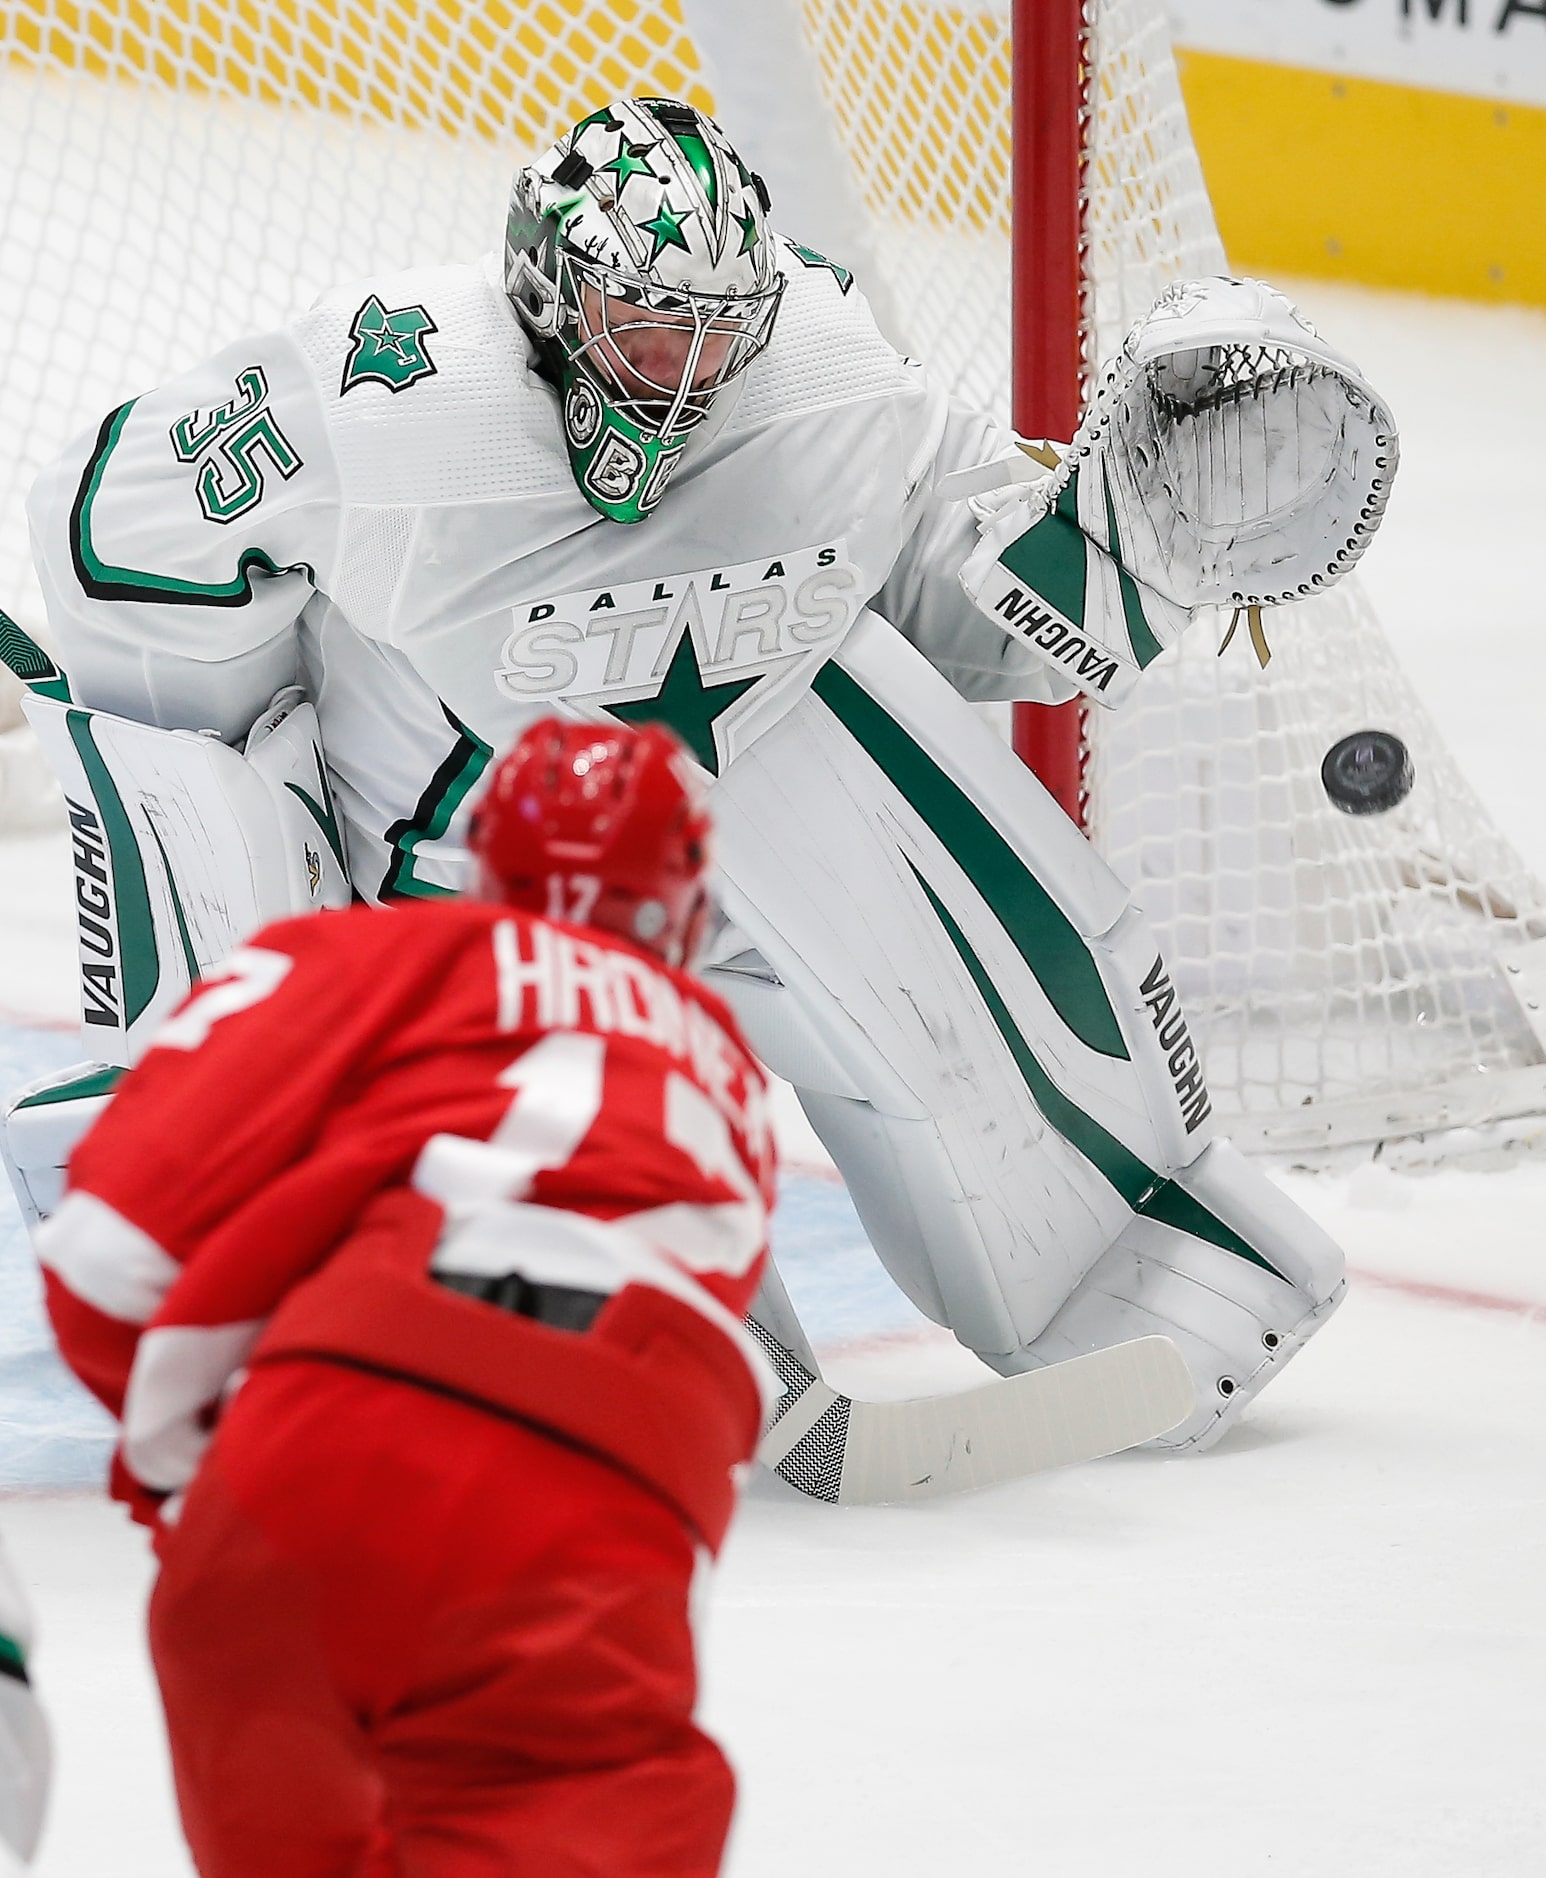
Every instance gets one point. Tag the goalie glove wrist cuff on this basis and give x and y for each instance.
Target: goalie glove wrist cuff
(1055, 583)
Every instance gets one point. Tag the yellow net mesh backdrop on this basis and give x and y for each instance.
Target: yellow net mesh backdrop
(514, 74)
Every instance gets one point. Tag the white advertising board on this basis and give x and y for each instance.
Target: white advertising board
(1488, 48)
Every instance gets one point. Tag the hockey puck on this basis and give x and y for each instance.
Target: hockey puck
(1367, 773)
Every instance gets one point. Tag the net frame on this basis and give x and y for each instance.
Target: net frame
(1053, 303)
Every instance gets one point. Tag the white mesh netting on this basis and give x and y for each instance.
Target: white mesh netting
(173, 174)
(1348, 973)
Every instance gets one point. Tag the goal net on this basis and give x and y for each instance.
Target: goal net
(174, 173)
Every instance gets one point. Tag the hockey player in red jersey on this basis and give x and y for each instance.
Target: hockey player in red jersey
(413, 1258)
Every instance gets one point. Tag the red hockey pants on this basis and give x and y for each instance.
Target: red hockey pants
(398, 1637)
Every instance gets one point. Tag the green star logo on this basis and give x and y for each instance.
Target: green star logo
(628, 162)
(389, 347)
(667, 231)
(686, 705)
(747, 224)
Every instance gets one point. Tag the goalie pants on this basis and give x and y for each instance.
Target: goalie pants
(398, 1637)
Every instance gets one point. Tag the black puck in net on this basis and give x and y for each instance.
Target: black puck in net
(1367, 773)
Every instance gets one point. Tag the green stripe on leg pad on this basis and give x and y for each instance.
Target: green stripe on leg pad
(1041, 932)
(1145, 1191)
(141, 960)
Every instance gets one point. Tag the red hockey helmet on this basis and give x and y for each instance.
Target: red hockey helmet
(604, 825)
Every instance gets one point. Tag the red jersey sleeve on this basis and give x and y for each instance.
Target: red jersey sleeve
(232, 1092)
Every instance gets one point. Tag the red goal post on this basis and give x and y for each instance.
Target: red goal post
(1050, 312)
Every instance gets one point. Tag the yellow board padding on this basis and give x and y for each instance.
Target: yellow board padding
(518, 71)
(1352, 179)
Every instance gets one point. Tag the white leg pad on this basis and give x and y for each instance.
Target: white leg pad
(978, 1021)
(1235, 1322)
(40, 1127)
(183, 847)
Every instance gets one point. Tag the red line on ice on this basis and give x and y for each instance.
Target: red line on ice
(1531, 1310)
(30, 1020)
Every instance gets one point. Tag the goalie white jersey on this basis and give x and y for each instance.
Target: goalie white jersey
(376, 503)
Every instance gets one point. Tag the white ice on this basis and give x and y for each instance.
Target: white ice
(1320, 1650)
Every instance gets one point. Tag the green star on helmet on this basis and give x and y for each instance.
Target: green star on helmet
(747, 224)
(627, 162)
(667, 231)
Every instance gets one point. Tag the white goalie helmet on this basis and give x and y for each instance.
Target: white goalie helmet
(638, 257)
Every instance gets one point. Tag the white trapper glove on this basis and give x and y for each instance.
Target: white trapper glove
(1228, 457)
(25, 1757)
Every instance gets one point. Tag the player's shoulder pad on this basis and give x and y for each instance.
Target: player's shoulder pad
(826, 349)
(426, 383)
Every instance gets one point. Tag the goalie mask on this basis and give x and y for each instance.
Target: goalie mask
(637, 255)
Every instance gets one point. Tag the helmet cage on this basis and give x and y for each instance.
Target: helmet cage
(736, 326)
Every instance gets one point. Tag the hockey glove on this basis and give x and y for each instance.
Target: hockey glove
(1229, 456)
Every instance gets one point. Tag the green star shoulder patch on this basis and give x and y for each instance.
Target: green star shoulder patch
(389, 347)
(810, 258)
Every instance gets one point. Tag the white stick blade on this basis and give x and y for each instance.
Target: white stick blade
(1074, 1411)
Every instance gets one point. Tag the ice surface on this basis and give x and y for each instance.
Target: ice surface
(52, 1433)
(1318, 1651)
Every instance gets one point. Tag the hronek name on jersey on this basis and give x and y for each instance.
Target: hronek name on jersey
(550, 979)
(617, 642)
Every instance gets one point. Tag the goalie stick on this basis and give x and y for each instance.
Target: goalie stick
(865, 1453)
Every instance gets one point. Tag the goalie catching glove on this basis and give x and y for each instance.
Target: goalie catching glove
(1229, 456)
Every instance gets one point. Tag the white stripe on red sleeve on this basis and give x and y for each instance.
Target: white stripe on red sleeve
(104, 1259)
(180, 1372)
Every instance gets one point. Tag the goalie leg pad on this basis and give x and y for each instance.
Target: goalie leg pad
(1235, 1321)
(183, 847)
(40, 1127)
(980, 1025)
